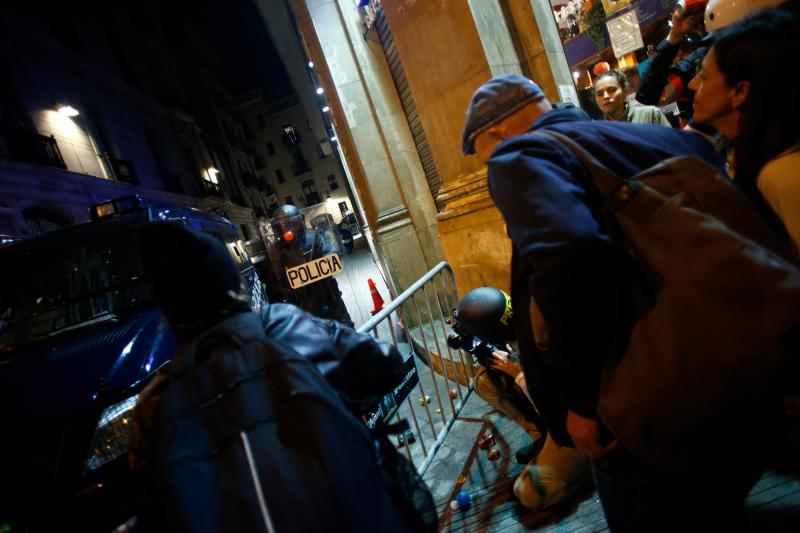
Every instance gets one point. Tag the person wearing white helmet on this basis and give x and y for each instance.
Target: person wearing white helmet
(721, 13)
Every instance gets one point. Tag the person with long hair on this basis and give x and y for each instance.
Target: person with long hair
(609, 92)
(747, 91)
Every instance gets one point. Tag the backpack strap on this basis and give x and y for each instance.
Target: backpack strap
(616, 191)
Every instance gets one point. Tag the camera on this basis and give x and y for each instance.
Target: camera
(458, 339)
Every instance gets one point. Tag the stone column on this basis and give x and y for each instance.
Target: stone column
(445, 59)
(374, 137)
(447, 49)
(543, 57)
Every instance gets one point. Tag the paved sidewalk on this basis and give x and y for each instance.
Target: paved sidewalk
(358, 268)
(774, 502)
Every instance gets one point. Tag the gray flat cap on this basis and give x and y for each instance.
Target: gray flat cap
(495, 100)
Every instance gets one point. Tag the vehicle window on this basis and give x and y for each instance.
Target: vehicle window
(84, 274)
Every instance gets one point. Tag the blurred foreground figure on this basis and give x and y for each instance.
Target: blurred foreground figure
(241, 432)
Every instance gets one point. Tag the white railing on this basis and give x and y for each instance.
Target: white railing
(417, 323)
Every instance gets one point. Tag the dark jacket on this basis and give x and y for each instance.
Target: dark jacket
(661, 67)
(357, 365)
(360, 368)
(563, 256)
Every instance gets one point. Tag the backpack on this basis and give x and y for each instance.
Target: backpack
(250, 437)
(721, 328)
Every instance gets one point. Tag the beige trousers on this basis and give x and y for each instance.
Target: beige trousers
(555, 474)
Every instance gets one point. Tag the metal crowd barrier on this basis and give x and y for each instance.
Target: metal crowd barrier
(417, 323)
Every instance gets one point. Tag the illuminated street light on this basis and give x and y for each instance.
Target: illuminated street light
(212, 172)
(67, 110)
(334, 139)
(310, 64)
(326, 109)
(320, 90)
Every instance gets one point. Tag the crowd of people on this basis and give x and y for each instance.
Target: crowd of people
(578, 289)
(573, 268)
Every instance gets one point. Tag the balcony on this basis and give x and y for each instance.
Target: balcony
(25, 145)
(211, 189)
(121, 169)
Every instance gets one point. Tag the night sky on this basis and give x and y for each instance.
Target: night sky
(236, 31)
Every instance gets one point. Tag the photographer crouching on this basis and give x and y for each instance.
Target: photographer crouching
(483, 326)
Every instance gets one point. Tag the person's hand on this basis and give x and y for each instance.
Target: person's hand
(502, 362)
(585, 433)
(681, 25)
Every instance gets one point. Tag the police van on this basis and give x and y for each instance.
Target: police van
(80, 336)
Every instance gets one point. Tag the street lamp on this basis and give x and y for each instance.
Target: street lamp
(67, 110)
(212, 172)
(326, 109)
(320, 90)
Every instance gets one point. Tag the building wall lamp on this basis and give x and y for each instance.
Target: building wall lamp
(212, 172)
(67, 110)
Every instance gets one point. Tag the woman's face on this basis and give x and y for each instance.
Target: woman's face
(610, 97)
(715, 102)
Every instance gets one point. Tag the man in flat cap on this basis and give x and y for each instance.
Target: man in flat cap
(568, 279)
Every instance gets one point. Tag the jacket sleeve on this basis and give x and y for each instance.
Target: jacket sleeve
(368, 369)
(655, 76)
(361, 367)
(661, 71)
(540, 189)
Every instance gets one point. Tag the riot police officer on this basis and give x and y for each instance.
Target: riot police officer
(294, 245)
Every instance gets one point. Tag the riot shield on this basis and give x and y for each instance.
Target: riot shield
(300, 266)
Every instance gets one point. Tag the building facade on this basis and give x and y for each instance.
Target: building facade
(89, 112)
(398, 76)
(301, 169)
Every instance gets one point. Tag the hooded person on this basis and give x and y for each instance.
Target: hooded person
(196, 283)
(192, 277)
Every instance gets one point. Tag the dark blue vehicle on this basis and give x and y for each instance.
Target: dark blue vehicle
(79, 338)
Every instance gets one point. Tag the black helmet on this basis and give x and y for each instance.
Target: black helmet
(487, 314)
(289, 225)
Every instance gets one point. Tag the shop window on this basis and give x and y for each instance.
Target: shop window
(288, 200)
(260, 120)
(279, 175)
(270, 148)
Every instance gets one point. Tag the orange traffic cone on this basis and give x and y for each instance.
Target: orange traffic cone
(377, 301)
